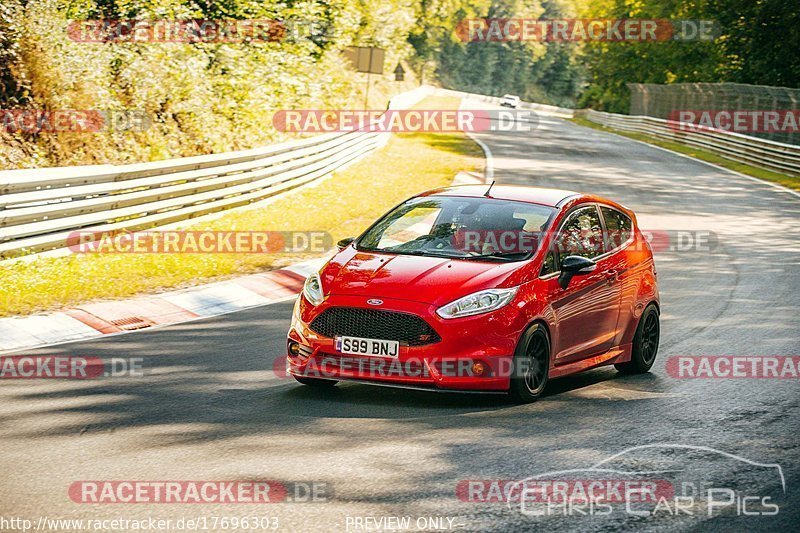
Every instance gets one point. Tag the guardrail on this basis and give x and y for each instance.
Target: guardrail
(40, 208)
(753, 151)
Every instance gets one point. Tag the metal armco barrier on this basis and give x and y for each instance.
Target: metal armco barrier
(40, 208)
(753, 151)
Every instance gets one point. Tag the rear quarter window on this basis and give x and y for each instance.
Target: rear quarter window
(619, 227)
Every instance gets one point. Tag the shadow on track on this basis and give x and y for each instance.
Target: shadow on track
(202, 376)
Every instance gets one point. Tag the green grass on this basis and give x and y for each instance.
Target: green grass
(343, 205)
(792, 182)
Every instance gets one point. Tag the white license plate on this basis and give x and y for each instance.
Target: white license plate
(372, 347)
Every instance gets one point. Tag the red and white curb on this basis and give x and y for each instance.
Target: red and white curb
(123, 316)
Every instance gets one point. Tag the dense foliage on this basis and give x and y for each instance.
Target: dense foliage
(203, 97)
(536, 71)
(212, 97)
(757, 44)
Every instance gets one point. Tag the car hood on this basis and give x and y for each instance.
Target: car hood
(431, 280)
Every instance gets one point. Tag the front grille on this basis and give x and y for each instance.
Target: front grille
(374, 324)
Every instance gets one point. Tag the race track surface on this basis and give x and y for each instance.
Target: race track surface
(210, 406)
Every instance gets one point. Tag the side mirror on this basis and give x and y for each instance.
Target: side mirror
(574, 265)
(344, 243)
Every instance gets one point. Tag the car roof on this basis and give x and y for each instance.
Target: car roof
(534, 195)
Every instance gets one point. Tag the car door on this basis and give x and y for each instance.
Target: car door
(586, 311)
(627, 263)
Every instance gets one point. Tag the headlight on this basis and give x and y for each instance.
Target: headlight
(477, 303)
(312, 289)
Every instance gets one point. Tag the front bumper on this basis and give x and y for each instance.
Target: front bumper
(489, 339)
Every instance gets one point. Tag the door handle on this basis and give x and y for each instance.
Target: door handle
(611, 275)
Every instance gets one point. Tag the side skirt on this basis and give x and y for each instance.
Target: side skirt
(619, 354)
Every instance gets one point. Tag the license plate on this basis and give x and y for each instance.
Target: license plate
(371, 347)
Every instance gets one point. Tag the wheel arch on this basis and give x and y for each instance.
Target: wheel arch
(540, 322)
(544, 324)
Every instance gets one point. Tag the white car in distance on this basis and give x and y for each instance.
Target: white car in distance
(510, 100)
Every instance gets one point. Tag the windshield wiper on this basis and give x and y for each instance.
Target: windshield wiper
(443, 254)
(499, 255)
(421, 253)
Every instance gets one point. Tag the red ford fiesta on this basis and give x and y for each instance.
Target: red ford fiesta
(477, 288)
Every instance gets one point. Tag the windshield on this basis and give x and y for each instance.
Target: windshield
(462, 228)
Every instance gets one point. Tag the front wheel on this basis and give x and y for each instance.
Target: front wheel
(531, 367)
(645, 343)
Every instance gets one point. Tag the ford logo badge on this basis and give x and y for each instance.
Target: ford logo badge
(375, 302)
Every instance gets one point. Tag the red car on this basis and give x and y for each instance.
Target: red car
(476, 288)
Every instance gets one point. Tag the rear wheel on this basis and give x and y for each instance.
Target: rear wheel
(645, 343)
(531, 366)
(313, 382)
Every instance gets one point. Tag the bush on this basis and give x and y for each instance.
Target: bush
(201, 97)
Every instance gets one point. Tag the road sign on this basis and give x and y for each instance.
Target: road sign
(367, 59)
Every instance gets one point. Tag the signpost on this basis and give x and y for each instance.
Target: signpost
(367, 59)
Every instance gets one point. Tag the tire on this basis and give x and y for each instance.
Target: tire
(645, 343)
(531, 368)
(319, 383)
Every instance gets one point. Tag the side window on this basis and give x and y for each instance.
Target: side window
(581, 234)
(549, 265)
(618, 227)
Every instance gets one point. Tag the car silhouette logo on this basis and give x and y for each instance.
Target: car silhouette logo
(375, 301)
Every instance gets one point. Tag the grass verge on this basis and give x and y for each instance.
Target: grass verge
(342, 205)
(791, 182)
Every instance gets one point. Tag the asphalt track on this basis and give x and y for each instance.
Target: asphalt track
(210, 406)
